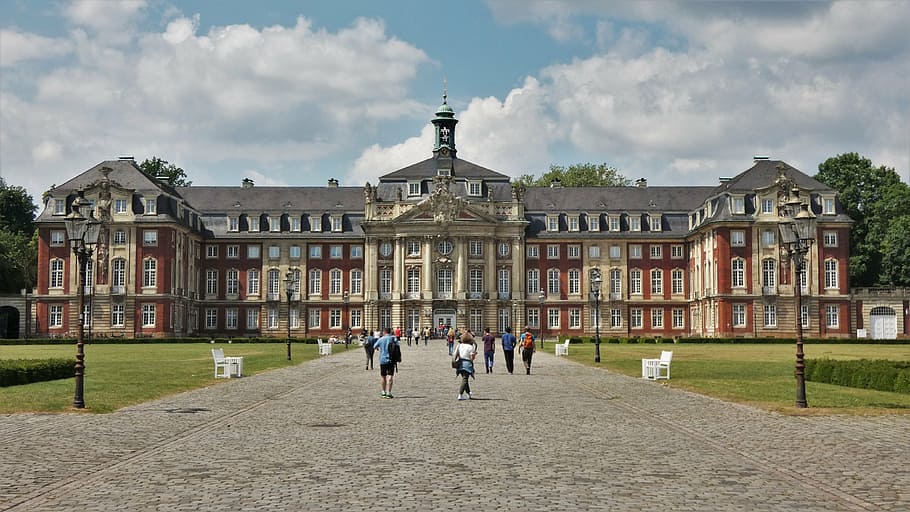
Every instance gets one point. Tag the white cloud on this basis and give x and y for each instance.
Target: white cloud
(103, 15)
(17, 46)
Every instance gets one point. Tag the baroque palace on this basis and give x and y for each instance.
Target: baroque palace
(446, 241)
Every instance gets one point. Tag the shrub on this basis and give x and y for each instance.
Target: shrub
(882, 375)
(14, 372)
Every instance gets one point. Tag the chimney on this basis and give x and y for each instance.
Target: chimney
(247, 183)
(333, 183)
(641, 183)
(759, 158)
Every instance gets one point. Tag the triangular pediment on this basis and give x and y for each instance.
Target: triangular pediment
(443, 207)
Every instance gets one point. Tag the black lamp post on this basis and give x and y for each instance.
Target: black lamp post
(542, 296)
(797, 233)
(596, 282)
(346, 298)
(290, 285)
(83, 234)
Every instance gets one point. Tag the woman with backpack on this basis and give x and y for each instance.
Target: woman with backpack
(527, 349)
(464, 355)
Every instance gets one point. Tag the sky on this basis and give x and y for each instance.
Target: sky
(297, 92)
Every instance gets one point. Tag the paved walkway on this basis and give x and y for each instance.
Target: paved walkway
(318, 437)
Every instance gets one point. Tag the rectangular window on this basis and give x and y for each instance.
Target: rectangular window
(738, 238)
(553, 318)
(233, 251)
(634, 223)
(830, 238)
(233, 224)
(593, 222)
(295, 224)
(149, 273)
(504, 283)
(676, 277)
(830, 274)
(211, 318)
(385, 281)
(274, 252)
(474, 188)
(148, 315)
(151, 206)
(475, 282)
(738, 269)
(316, 223)
(356, 281)
(274, 223)
(357, 318)
(253, 222)
(656, 252)
(767, 206)
(553, 285)
(614, 224)
(211, 251)
(150, 237)
(533, 251)
(315, 251)
(679, 318)
(334, 319)
(533, 317)
(315, 318)
(615, 317)
(657, 281)
(574, 281)
(828, 206)
(230, 318)
(657, 318)
(832, 316)
(634, 251)
(533, 280)
(635, 318)
(770, 315)
(635, 282)
(475, 248)
(117, 316)
(574, 251)
(57, 237)
(739, 315)
(55, 316)
(615, 252)
(120, 237)
(594, 251)
(356, 251)
(573, 223)
(655, 223)
(413, 248)
(413, 188)
(739, 205)
(767, 238)
(211, 282)
(804, 315)
(552, 223)
(232, 286)
(337, 224)
(336, 252)
(294, 252)
(59, 206)
(252, 318)
(252, 252)
(272, 317)
(252, 282)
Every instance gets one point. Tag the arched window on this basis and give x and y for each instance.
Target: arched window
(56, 273)
(574, 281)
(615, 284)
(150, 272)
(274, 283)
(769, 273)
(553, 287)
(315, 282)
(413, 284)
(831, 273)
(738, 269)
(657, 282)
(356, 281)
(335, 282)
(252, 282)
(635, 281)
(533, 280)
(118, 273)
(233, 282)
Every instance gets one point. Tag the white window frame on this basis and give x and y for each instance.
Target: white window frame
(634, 251)
(830, 238)
(151, 206)
(553, 223)
(573, 251)
(149, 315)
(832, 316)
(831, 274)
(738, 238)
(593, 222)
(55, 315)
(253, 251)
(150, 237)
(58, 238)
(657, 252)
(294, 252)
(413, 188)
(739, 315)
(533, 251)
(315, 252)
(252, 281)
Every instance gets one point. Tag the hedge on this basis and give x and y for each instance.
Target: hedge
(879, 374)
(14, 372)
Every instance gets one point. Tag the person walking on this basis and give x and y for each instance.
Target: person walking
(398, 334)
(464, 355)
(489, 348)
(527, 349)
(369, 340)
(386, 365)
(508, 349)
(426, 335)
(408, 334)
(450, 339)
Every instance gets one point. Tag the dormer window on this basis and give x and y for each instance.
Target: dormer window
(767, 206)
(254, 223)
(573, 223)
(443, 172)
(552, 223)
(413, 188)
(336, 223)
(593, 222)
(635, 223)
(316, 223)
(233, 224)
(295, 223)
(828, 206)
(151, 206)
(59, 206)
(614, 223)
(274, 223)
(655, 223)
(738, 205)
(120, 206)
(474, 188)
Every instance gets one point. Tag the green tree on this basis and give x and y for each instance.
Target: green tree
(173, 175)
(873, 197)
(578, 175)
(896, 253)
(18, 242)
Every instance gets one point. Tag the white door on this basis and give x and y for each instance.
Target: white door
(883, 323)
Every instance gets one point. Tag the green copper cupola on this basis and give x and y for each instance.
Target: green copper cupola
(444, 122)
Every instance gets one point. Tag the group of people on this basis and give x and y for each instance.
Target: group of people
(463, 355)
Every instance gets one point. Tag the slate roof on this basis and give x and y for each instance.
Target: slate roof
(224, 200)
(764, 173)
(614, 199)
(427, 169)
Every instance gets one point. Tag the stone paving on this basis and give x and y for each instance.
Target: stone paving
(317, 436)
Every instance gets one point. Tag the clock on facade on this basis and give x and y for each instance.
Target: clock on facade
(385, 249)
(444, 247)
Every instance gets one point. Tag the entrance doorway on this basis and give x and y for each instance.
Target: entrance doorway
(883, 323)
(446, 317)
(9, 322)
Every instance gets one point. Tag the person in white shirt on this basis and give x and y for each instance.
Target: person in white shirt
(464, 353)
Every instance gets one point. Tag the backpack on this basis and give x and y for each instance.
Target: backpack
(394, 352)
(528, 340)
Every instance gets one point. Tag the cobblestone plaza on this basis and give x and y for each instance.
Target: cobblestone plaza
(317, 436)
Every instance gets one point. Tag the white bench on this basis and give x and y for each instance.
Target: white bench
(652, 369)
(562, 349)
(325, 349)
(229, 366)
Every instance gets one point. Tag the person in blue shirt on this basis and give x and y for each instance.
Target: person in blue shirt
(508, 349)
(386, 366)
(369, 340)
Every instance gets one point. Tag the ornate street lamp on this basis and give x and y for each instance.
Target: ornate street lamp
(797, 233)
(596, 282)
(346, 298)
(290, 286)
(543, 298)
(83, 234)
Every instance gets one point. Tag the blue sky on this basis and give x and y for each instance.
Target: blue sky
(295, 93)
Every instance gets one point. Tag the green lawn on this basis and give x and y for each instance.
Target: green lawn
(120, 375)
(760, 375)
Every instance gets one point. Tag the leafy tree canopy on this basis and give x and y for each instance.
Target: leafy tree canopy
(876, 199)
(578, 175)
(17, 210)
(172, 175)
